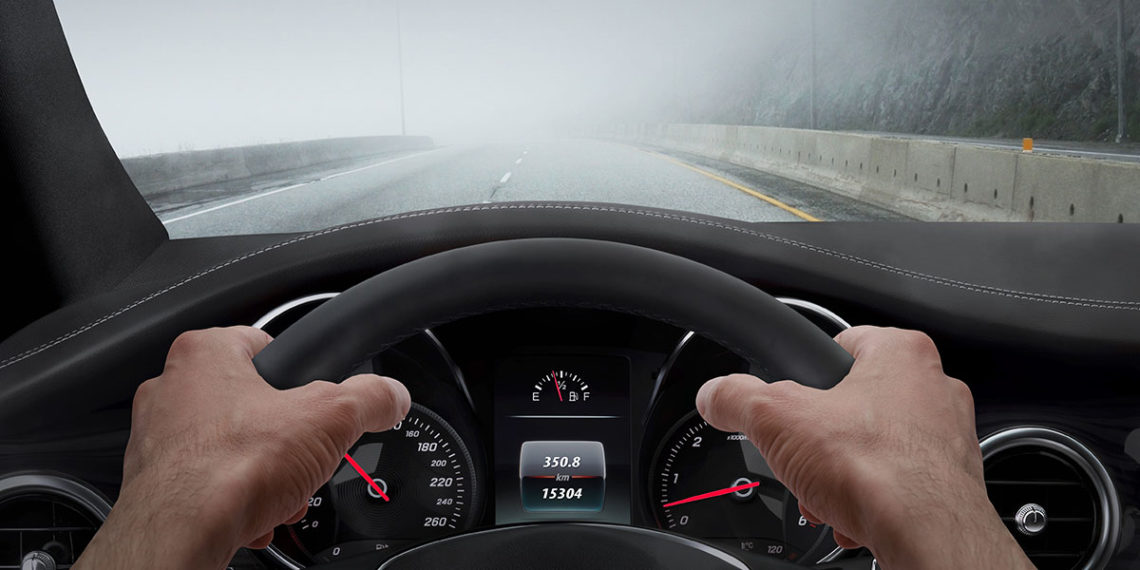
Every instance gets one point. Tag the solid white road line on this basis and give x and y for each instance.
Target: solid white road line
(505, 178)
(292, 186)
(1083, 152)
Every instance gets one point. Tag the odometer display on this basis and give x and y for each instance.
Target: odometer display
(716, 486)
(421, 466)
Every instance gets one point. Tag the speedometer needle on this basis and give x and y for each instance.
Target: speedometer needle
(360, 470)
(712, 494)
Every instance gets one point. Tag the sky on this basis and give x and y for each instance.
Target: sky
(166, 76)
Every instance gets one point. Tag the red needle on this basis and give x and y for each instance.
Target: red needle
(360, 470)
(555, 376)
(712, 494)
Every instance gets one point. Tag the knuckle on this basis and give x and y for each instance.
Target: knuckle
(782, 392)
(759, 410)
(320, 399)
(328, 397)
(187, 342)
(334, 410)
(857, 333)
(847, 334)
(144, 393)
(961, 392)
(917, 341)
(192, 342)
(249, 335)
(865, 340)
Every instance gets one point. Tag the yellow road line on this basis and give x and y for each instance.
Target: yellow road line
(791, 210)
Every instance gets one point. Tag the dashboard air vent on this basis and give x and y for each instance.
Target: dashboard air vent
(48, 514)
(1054, 495)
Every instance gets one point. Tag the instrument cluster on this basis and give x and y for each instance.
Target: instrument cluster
(541, 415)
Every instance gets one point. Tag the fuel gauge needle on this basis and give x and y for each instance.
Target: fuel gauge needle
(712, 494)
(559, 390)
(360, 470)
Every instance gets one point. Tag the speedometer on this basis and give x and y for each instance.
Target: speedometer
(413, 482)
(716, 486)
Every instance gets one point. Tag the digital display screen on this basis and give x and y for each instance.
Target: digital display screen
(562, 476)
(562, 439)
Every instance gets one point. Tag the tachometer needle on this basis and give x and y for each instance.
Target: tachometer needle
(712, 494)
(360, 470)
(556, 388)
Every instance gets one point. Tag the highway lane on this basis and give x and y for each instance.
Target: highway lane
(571, 170)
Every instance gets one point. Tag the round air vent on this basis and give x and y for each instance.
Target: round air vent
(47, 514)
(1054, 495)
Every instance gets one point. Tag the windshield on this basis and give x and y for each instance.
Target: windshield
(288, 115)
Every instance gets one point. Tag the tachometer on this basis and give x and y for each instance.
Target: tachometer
(715, 485)
(421, 485)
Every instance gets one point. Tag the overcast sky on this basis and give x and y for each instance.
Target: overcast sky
(175, 75)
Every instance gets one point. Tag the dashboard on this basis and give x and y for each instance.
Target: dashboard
(582, 418)
(560, 415)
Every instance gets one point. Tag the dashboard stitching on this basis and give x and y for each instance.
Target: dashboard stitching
(972, 287)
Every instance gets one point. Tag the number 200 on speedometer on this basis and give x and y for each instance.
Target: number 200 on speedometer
(426, 488)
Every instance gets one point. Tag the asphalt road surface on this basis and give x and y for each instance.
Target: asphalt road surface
(564, 170)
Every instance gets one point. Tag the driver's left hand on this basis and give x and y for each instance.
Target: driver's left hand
(217, 457)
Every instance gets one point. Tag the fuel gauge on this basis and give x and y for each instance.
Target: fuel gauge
(561, 386)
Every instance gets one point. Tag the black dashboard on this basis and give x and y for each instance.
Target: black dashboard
(1053, 381)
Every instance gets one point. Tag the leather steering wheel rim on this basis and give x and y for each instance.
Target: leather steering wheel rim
(555, 272)
(552, 272)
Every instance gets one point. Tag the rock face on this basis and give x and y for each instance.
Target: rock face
(1004, 68)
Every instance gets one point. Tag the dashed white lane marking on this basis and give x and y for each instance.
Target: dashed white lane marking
(505, 178)
(519, 161)
(290, 187)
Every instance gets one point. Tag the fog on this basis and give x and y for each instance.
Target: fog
(167, 76)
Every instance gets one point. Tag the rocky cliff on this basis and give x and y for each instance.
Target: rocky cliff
(1004, 68)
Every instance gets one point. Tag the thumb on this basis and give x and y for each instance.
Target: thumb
(380, 401)
(362, 403)
(747, 404)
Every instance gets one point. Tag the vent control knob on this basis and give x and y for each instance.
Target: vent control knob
(1030, 519)
(37, 560)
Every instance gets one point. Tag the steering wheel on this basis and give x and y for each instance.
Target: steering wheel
(555, 272)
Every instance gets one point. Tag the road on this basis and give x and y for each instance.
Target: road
(564, 170)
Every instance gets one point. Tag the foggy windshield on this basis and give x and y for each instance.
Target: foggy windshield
(288, 115)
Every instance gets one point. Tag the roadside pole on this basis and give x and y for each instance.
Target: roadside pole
(1120, 82)
(400, 64)
(813, 63)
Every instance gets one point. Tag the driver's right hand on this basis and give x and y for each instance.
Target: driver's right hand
(889, 457)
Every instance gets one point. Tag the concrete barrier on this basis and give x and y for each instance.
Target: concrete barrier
(928, 180)
(159, 173)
